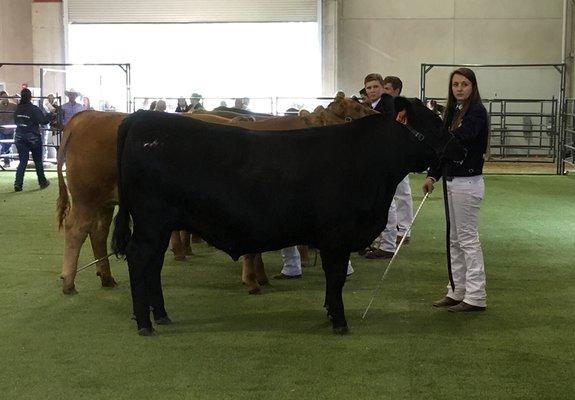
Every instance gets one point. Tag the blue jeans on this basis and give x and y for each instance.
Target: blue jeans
(5, 148)
(26, 145)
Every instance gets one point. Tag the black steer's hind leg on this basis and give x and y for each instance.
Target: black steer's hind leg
(145, 256)
(335, 267)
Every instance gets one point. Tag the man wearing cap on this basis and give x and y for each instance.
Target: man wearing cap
(195, 104)
(71, 108)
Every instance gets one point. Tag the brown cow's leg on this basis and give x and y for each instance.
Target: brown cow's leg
(75, 233)
(249, 275)
(185, 237)
(177, 246)
(98, 238)
(304, 255)
(260, 270)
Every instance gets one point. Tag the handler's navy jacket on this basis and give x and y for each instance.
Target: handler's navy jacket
(28, 119)
(473, 135)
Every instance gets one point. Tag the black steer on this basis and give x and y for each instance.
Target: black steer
(252, 191)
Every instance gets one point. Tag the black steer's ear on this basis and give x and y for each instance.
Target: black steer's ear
(401, 103)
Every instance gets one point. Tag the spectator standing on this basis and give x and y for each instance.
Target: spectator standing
(71, 108)
(7, 109)
(195, 102)
(242, 103)
(182, 106)
(50, 104)
(161, 106)
(86, 103)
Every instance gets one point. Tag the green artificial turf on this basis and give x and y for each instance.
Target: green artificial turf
(226, 344)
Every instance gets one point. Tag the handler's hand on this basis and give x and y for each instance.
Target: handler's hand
(428, 185)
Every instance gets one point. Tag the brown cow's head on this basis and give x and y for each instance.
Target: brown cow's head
(347, 109)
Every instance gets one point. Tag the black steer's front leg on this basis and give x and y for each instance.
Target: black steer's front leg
(334, 265)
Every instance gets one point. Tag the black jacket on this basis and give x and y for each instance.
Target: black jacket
(473, 135)
(385, 106)
(28, 119)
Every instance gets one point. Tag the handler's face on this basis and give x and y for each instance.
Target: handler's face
(374, 90)
(389, 89)
(461, 87)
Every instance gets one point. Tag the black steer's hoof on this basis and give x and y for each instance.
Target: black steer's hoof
(341, 330)
(164, 321)
(146, 332)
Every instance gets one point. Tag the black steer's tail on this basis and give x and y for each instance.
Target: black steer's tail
(122, 222)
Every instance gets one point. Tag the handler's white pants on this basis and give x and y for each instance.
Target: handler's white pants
(292, 262)
(386, 239)
(404, 207)
(465, 195)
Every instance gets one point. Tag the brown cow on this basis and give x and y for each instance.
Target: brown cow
(88, 195)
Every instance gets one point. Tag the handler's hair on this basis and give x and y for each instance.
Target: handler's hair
(25, 96)
(474, 98)
(396, 83)
(373, 77)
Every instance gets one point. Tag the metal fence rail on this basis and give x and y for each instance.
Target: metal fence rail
(522, 130)
(568, 137)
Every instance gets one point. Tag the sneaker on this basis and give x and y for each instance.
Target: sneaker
(17, 188)
(45, 184)
(398, 240)
(446, 302)
(377, 253)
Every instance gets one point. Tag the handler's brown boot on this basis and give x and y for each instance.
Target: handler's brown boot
(446, 302)
(377, 253)
(464, 307)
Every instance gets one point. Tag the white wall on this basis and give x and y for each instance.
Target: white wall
(393, 37)
(48, 44)
(30, 32)
(15, 42)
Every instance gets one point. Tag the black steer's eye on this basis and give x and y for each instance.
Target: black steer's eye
(348, 119)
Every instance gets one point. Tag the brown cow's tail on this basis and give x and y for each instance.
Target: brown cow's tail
(63, 203)
(122, 221)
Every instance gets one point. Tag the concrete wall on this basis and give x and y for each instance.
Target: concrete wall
(393, 37)
(15, 43)
(48, 44)
(30, 32)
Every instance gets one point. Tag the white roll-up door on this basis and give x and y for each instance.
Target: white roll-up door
(189, 11)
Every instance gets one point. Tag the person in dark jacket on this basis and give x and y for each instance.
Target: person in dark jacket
(27, 138)
(379, 99)
(385, 244)
(466, 118)
(183, 106)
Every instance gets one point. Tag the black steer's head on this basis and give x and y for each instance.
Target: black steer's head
(427, 127)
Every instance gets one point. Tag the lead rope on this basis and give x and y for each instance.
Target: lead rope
(378, 287)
